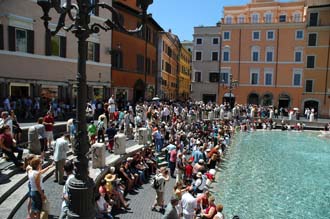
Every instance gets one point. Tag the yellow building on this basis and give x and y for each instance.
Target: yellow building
(263, 48)
(184, 74)
(317, 70)
(169, 48)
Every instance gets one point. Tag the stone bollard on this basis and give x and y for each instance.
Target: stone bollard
(98, 155)
(33, 141)
(120, 144)
(143, 136)
(211, 115)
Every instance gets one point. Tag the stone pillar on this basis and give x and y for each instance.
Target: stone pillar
(98, 155)
(33, 141)
(143, 137)
(120, 144)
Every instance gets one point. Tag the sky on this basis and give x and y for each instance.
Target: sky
(181, 16)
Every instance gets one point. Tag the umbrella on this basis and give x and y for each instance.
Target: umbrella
(156, 98)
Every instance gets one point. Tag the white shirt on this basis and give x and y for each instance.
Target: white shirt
(161, 180)
(189, 204)
(61, 147)
(100, 203)
(65, 191)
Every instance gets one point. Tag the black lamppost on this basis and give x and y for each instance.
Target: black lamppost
(232, 84)
(82, 187)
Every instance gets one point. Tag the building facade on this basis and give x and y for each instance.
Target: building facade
(168, 73)
(263, 49)
(32, 66)
(316, 92)
(205, 63)
(185, 73)
(134, 75)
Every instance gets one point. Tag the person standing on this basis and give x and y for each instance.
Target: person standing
(100, 130)
(170, 211)
(180, 168)
(172, 163)
(112, 106)
(111, 132)
(61, 148)
(161, 178)
(49, 126)
(41, 131)
(189, 204)
(68, 168)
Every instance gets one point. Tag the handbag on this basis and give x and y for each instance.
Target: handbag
(45, 206)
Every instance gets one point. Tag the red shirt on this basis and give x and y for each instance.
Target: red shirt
(7, 140)
(49, 119)
(189, 170)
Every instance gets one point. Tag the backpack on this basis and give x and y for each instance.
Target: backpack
(155, 184)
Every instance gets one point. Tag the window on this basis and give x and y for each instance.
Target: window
(299, 34)
(21, 40)
(241, 19)
(214, 56)
(298, 55)
(229, 19)
(169, 51)
(254, 78)
(296, 17)
(117, 59)
(199, 41)
(268, 18)
(268, 78)
(214, 77)
(58, 46)
(255, 18)
(226, 55)
(256, 35)
(270, 35)
(309, 86)
(269, 54)
(255, 53)
(226, 35)
(198, 56)
(313, 17)
(168, 67)
(140, 63)
(93, 52)
(215, 40)
(198, 76)
(224, 77)
(310, 61)
(282, 18)
(312, 39)
(297, 78)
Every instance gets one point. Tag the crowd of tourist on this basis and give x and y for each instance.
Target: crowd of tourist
(193, 136)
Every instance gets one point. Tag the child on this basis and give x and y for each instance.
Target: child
(92, 132)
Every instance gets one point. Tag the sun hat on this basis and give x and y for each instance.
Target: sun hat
(199, 174)
(110, 177)
(201, 161)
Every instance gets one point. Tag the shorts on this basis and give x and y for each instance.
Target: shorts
(160, 198)
(49, 136)
(36, 205)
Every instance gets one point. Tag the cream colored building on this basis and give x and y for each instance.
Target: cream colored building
(27, 69)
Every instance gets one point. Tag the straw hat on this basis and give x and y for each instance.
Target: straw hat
(110, 177)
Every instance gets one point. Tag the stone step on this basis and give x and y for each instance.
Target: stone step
(162, 164)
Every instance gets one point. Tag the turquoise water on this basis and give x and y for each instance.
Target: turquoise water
(280, 175)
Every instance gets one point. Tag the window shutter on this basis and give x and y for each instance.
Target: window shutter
(96, 8)
(63, 46)
(1, 36)
(97, 52)
(30, 40)
(11, 38)
(48, 43)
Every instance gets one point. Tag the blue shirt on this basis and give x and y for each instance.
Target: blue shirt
(197, 154)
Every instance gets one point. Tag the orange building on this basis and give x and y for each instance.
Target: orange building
(133, 75)
(184, 73)
(263, 48)
(316, 74)
(169, 48)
